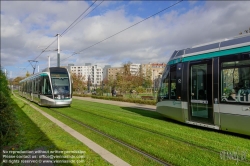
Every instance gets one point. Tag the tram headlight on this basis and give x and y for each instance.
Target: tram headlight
(65, 96)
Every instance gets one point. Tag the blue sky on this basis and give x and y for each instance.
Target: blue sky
(27, 27)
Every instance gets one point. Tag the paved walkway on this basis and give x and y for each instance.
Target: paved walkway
(105, 154)
(118, 103)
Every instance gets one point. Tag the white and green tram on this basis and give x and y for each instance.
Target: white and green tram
(209, 85)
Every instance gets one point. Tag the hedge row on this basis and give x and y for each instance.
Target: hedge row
(8, 120)
(82, 95)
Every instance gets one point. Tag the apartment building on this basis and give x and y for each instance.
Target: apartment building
(105, 71)
(112, 72)
(152, 70)
(157, 68)
(92, 71)
(134, 68)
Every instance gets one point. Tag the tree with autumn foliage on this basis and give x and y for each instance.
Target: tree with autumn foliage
(126, 81)
(78, 82)
(16, 81)
(28, 74)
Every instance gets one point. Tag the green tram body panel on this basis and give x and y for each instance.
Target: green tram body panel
(227, 122)
(171, 109)
(230, 122)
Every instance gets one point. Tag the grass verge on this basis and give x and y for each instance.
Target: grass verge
(153, 121)
(39, 132)
(121, 151)
(169, 150)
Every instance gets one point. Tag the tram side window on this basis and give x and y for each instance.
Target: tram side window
(47, 89)
(173, 82)
(28, 86)
(45, 86)
(164, 88)
(23, 86)
(235, 79)
(37, 84)
(33, 85)
(168, 85)
(41, 89)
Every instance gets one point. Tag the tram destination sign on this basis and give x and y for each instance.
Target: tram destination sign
(57, 75)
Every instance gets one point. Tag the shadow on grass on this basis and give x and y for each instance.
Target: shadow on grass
(158, 116)
(149, 114)
(32, 138)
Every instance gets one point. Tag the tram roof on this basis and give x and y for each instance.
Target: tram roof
(44, 71)
(233, 45)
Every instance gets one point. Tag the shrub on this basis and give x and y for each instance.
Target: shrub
(8, 121)
(83, 95)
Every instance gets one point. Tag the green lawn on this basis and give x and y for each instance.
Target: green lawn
(167, 145)
(167, 148)
(155, 122)
(36, 131)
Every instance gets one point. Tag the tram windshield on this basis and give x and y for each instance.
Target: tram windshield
(60, 83)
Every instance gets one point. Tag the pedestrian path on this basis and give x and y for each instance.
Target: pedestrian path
(105, 154)
(118, 103)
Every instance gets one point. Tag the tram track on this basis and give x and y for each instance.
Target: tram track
(138, 150)
(148, 130)
(114, 139)
(152, 132)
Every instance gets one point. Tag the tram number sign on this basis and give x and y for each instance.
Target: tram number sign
(179, 81)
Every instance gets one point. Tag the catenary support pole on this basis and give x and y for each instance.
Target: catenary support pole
(58, 50)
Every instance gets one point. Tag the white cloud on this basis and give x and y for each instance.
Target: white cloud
(26, 25)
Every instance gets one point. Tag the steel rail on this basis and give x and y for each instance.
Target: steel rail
(157, 133)
(115, 139)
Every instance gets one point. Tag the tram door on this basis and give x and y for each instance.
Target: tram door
(200, 93)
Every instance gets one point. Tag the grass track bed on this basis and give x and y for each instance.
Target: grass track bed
(169, 150)
(155, 122)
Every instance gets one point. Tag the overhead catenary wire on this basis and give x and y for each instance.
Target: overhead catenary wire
(45, 49)
(123, 30)
(84, 17)
(70, 27)
(67, 29)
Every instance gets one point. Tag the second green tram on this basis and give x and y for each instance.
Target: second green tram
(209, 85)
